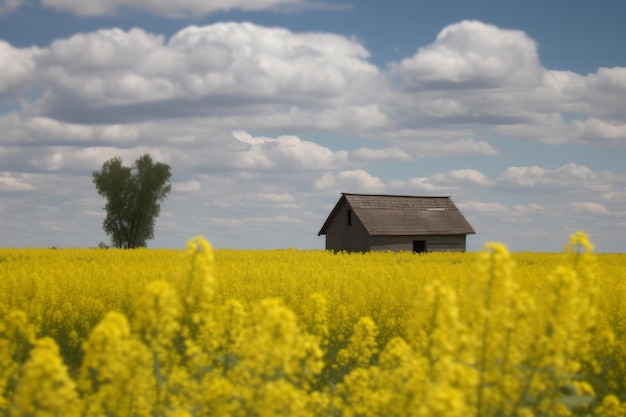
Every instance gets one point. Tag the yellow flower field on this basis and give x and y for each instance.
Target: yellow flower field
(198, 332)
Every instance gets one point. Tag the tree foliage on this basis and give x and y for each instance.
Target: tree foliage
(133, 195)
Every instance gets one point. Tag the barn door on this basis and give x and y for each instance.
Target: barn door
(419, 246)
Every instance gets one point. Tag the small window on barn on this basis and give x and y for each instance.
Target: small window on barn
(349, 217)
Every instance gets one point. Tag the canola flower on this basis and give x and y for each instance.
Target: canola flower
(17, 337)
(310, 333)
(44, 388)
(116, 375)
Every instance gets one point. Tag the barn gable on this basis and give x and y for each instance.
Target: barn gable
(379, 220)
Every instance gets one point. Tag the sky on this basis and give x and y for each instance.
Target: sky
(267, 110)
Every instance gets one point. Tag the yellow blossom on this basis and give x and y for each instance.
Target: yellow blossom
(116, 375)
(17, 336)
(44, 388)
(287, 332)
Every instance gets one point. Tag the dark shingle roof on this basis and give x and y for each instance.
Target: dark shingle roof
(404, 215)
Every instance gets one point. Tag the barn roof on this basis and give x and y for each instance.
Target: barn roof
(404, 215)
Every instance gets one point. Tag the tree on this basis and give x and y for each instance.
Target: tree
(133, 195)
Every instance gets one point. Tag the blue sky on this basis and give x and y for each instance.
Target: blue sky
(267, 110)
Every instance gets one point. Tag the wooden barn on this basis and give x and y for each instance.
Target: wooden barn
(366, 222)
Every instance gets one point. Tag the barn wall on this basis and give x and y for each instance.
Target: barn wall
(434, 243)
(341, 237)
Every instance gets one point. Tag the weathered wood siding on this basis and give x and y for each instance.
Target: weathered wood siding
(341, 236)
(434, 243)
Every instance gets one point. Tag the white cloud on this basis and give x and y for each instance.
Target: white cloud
(353, 180)
(105, 50)
(588, 207)
(48, 162)
(12, 182)
(460, 177)
(274, 198)
(593, 130)
(302, 117)
(8, 6)
(609, 80)
(424, 148)
(92, 213)
(287, 153)
(568, 176)
(278, 201)
(108, 67)
(186, 187)
(418, 185)
(553, 129)
(474, 54)
(479, 73)
(527, 208)
(168, 8)
(483, 207)
(595, 101)
(386, 154)
(226, 221)
(274, 60)
(269, 220)
(231, 68)
(45, 131)
(16, 68)
(614, 195)
(244, 75)
(71, 160)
